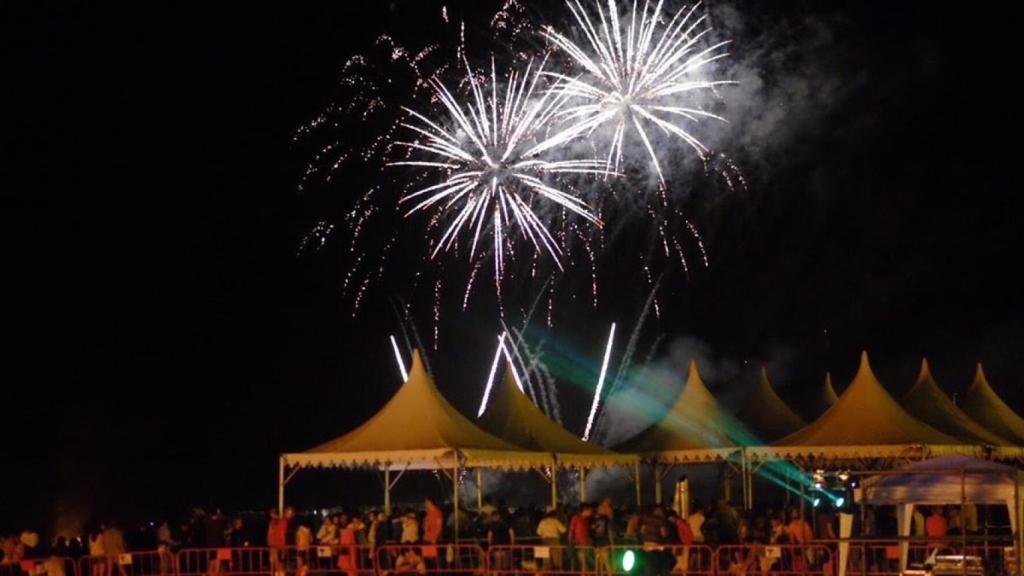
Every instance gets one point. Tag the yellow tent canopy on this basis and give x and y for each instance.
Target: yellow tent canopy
(766, 414)
(510, 415)
(417, 429)
(932, 406)
(694, 429)
(983, 404)
(865, 422)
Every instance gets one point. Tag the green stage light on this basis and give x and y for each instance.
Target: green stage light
(816, 502)
(840, 501)
(628, 560)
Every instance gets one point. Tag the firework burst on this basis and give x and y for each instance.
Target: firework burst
(494, 176)
(639, 73)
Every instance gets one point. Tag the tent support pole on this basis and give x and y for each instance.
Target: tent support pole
(726, 486)
(657, 484)
(479, 489)
(455, 494)
(1018, 543)
(583, 484)
(280, 485)
(963, 517)
(748, 495)
(554, 486)
(636, 483)
(803, 495)
(387, 490)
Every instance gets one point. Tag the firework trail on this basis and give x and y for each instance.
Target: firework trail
(600, 384)
(545, 382)
(498, 353)
(515, 356)
(627, 357)
(398, 359)
(493, 174)
(639, 73)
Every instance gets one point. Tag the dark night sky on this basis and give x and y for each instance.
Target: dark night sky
(163, 342)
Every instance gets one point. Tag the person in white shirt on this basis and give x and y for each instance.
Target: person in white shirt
(696, 522)
(917, 522)
(488, 509)
(97, 554)
(550, 529)
(327, 535)
(410, 529)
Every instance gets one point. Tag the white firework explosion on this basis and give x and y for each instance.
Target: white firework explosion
(490, 152)
(639, 72)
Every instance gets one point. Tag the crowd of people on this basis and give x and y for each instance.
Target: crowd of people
(581, 529)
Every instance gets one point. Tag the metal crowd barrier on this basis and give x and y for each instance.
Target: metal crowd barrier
(865, 558)
(882, 558)
(695, 560)
(52, 566)
(431, 559)
(150, 563)
(544, 559)
(777, 559)
(248, 561)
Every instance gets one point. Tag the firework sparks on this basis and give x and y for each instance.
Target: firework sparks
(639, 73)
(493, 175)
(600, 384)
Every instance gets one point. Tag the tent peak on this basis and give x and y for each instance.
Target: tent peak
(983, 404)
(926, 401)
(513, 417)
(694, 376)
(510, 378)
(766, 414)
(866, 415)
(864, 370)
(694, 421)
(925, 374)
(979, 377)
(416, 368)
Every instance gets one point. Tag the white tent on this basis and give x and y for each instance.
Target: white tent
(947, 480)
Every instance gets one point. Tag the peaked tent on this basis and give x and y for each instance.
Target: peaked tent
(510, 415)
(694, 429)
(866, 422)
(932, 406)
(823, 398)
(766, 414)
(983, 404)
(418, 429)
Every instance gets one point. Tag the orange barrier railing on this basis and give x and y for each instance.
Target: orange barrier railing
(694, 560)
(874, 558)
(335, 560)
(865, 558)
(550, 560)
(776, 559)
(51, 566)
(431, 559)
(229, 561)
(149, 563)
